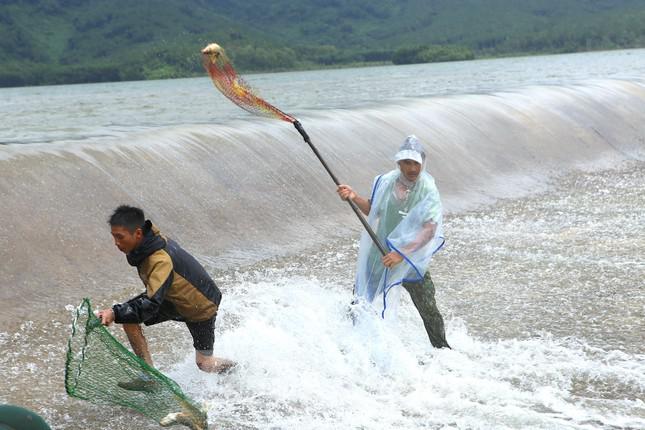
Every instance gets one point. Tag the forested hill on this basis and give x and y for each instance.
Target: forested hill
(64, 41)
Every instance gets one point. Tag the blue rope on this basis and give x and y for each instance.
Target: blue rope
(387, 288)
(378, 181)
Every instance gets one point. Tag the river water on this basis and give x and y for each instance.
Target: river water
(541, 166)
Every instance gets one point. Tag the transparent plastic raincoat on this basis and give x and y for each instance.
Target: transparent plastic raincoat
(407, 218)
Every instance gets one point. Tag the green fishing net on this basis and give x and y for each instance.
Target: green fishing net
(101, 370)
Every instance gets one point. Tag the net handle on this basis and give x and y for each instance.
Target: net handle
(214, 54)
(351, 203)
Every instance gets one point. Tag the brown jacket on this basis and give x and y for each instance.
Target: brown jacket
(172, 278)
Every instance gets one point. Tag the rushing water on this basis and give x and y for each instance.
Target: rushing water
(541, 283)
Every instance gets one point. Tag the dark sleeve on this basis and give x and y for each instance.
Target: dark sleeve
(136, 310)
(145, 306)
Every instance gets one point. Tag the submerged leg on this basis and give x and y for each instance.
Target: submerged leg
(422, 294)
(203, 334)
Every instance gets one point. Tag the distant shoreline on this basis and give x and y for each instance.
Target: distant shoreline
(299, 68)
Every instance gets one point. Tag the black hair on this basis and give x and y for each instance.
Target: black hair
(127, 216)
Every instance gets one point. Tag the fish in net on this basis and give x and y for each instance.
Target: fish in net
(99, 369)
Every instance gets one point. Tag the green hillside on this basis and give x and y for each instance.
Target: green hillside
(64, 41)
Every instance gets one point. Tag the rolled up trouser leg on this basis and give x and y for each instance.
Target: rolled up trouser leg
(422, 294)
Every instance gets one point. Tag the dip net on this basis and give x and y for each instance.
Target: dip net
(101, 370)
(220, 69)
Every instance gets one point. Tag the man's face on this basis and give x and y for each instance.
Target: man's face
(125, 240)
(410, 169)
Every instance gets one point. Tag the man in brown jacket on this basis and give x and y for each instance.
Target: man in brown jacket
(177, 288)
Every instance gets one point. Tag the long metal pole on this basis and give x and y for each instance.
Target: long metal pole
(355, 208)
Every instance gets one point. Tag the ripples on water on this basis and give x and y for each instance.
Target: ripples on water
(543, 298)
(569, 262)
(110, 111)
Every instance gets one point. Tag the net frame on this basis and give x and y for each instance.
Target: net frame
(230, 84)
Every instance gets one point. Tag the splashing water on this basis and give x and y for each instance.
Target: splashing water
(303, 365)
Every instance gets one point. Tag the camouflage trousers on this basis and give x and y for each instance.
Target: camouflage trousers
(422, 294)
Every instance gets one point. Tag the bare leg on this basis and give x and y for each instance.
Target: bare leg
(138, 342)
(211, 364)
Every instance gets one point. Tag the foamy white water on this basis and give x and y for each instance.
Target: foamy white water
(529, 351)
(535, 346)
(303, 365)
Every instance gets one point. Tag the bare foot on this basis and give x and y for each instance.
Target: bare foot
(213, 364)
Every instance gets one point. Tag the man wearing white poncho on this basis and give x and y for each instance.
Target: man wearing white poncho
(405, 212)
